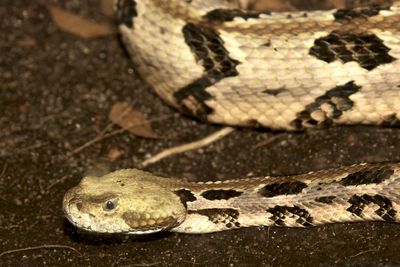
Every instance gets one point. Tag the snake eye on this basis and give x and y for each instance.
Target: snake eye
(109, 205)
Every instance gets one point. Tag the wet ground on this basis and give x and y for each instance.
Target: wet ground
(56, 91)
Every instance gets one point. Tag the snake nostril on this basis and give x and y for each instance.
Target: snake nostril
(75, 205)
(79, 205)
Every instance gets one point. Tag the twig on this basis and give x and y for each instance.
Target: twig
(362, 252)
(4, 169)
(141, 264)
(60, 180)
(28, 148)
(190, 146)
(102, 135)
(39, 247)
(267, 141)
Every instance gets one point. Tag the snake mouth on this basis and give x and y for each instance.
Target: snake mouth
(88, 228)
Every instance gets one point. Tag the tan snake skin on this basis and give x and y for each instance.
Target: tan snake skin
(136, 202)
(288, 71)
(281, 71)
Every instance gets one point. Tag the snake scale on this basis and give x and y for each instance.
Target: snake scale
(286, 71)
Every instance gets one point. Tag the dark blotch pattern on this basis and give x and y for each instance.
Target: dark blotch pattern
(126, 11)
(385, 211)
(362, 12)
(338, 100)
(222, 15)
(274, 92)
(220, 194)
(286, 188)
(227, 217)
(391, 121)
(208, 49)
(253, 124)
(281, 213)
(325, 199)
(374, 175)
(193, 96)
(364, 48)
(185, 196)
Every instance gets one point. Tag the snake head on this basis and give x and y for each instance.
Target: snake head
(126, 201)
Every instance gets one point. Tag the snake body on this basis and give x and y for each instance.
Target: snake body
(213, 60)
(276, 70)
(137, 202)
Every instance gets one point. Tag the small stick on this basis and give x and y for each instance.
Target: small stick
(190, 146)
(98, 138)
(102, 135)
(4, 169)
(267, 141)
(60, 180)
(38, 247)
(362, 252)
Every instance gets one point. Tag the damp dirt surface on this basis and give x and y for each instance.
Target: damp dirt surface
(56, 92)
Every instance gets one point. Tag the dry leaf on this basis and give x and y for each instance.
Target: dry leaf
(107, 7)
(28, 41)
(114, 154)
(131, 120)
(75, 24)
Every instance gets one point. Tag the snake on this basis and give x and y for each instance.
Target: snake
(221, 63)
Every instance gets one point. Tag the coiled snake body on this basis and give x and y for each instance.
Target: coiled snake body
(289, 71)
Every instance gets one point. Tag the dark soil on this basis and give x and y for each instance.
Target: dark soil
(56, 91)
